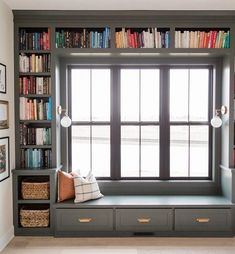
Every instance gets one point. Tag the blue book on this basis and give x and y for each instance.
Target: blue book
(49, 109)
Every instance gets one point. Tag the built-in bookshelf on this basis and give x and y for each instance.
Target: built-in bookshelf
(202, 38)
(35, 101)
(34, 114)
(40, 52)
(142, 37)
(82, 37)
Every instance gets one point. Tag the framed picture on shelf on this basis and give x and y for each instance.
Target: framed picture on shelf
(4, 158)
(4, 115)
(3, 78)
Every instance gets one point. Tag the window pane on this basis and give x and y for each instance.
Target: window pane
(81, 149)
(150, 151)
(129, 151)
(199, 152)
(149, 95)
(129, 95)
(178, 95)
(101, 95)
(80, 94)
(101, 151)
(199, 82)
(179, 150)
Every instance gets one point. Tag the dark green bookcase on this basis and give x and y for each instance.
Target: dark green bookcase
(224, 177)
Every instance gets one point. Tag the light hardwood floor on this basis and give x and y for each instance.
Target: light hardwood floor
(140, 245)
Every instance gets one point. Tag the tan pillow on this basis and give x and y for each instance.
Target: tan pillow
(65, 186)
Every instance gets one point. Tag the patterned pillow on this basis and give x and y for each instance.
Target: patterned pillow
(86, 188)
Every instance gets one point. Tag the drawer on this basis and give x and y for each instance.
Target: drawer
(144, 220)
(84, 219)
(203, 220)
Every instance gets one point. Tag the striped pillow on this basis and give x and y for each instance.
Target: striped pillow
(86, 188)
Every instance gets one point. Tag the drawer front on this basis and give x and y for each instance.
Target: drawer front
(144, 220)
(203, 220)
(84, 219)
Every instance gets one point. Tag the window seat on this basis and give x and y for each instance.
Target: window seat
(149, 215)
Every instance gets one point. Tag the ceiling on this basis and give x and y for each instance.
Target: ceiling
(121, 4)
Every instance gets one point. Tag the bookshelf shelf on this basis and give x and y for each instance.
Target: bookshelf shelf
(35, 121)
(34, 74)
(36, 146)
(34, 51)
(35, 95)
(23, 201)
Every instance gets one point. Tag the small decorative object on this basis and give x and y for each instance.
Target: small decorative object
(3, 78)
(4, 113)
(4, 158)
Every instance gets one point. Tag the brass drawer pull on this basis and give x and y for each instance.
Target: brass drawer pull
(202, 220)
(144, 220)
(85, 220)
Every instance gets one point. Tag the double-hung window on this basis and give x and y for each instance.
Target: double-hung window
(141, 122)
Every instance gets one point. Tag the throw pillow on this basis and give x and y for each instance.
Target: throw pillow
(86, 188)
(65, 186)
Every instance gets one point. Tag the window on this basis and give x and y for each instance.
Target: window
(189, 122)
(141, 122)
(90, 98)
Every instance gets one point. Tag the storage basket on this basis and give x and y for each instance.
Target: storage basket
(34, 217)
(32, 189)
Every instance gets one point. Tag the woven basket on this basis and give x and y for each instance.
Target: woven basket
(35, 190)
(34, 218)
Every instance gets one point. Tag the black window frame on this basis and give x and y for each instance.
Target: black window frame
(164, 121)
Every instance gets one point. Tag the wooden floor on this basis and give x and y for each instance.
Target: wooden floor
(140, 245)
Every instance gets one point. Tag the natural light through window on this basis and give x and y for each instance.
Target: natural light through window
(90, 92)
(139, 122)
(189, 131)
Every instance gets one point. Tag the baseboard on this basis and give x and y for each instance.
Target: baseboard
(5, 239)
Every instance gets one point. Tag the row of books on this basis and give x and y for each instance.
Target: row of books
(202, 39)
(34, 136)
(149, 38)
(35, 85)
(35, 158)
(34, 40)
(34, 63)
(35, 109)
(85, 38)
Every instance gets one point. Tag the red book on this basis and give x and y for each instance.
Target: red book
(135, 39)
(214, 38)
(132, 41)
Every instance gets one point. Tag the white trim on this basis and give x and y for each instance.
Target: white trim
(6, 238)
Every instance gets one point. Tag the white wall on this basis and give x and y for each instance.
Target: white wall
(6, 57)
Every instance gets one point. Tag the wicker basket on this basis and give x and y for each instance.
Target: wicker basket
(34, 218)
(31, 189)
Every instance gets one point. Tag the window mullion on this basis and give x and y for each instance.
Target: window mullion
(68, 146)
(115, 124)
(164, 123)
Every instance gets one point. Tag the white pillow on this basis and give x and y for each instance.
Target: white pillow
(86, 188)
